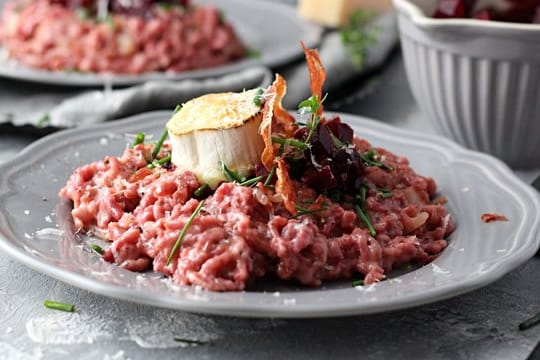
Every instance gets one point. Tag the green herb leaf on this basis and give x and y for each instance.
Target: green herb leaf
(291, 142)
(232, 176)
(159, 144)
(177, 108)
(189, 341)
(201, 191)
(253, 53)
(139, 139)
(357, 36)
(362, 214)
(165, 160)
(369, 159)
(83, 13)
(184, 231)
(384, 193)
(358, 283)
(258, 100)
(97, 249)
(270, 176)
(45, 119)
(251, 181)
(301, 211)
(59, 306)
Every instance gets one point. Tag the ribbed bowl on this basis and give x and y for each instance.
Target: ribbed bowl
(478, 81)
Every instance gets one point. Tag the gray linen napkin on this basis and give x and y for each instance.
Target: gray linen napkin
(98, 106)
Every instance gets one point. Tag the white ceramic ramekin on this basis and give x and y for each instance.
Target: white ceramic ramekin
(478, 81)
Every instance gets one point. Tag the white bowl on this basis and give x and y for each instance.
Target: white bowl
(479, 81)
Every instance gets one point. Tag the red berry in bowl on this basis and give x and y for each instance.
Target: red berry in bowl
(450, 9)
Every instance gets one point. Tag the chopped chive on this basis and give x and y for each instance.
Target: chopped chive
(358, 283)
(304, 211)
(232, 176)
(369, 159)
(529, 323)
(177, 108)
(97, 249)
(139, 139)
(159, 162)
(159, 144)
(258, 100)
(251, 181)
(190, 341)
(270, 176)
(291, 142)
(365, 218)
(184, 231)
(384, 193)
(201, 190)
(59, 306)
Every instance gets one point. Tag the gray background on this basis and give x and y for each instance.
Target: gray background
(479, 325)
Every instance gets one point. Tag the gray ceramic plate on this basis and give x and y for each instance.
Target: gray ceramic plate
(273, 29)
(35, 228)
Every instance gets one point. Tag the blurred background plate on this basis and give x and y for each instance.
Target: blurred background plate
(273, 29)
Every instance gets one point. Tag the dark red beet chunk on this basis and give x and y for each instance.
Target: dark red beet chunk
(450, 9)
(520, 11)
(331, 163)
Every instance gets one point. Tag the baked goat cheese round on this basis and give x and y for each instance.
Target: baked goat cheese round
(215, 130)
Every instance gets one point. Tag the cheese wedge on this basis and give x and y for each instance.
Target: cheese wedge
(337, 12)
(214, 129)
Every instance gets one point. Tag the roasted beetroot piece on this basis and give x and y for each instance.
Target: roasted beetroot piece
(521, 11)
(331, 162)
(450, 9)
(483, 15)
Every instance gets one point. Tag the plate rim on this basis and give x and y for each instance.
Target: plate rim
(484, 162)
(10, 69)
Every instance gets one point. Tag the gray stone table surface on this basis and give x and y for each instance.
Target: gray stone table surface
(479, 325)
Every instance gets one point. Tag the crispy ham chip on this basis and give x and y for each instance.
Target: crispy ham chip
(284, 186)
(279, 123)
(317, 74)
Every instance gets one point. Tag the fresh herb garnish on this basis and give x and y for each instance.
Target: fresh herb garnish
(384, 193)
(190, 341)
(369, 159)
(270, 176)
(291, 142)
(59, 306)
(97, 249)
(159, 144)
(154, 164)
(44, 120)
(529, 323)
(201, 190)
(311, 105)
(305, 211)
(177, 108)
(231, 175)
(83, 13)
(251, 181)
(357, 37)
(184, 231)
(168, 6)
(253, 53)
(358, 283)
(139, 139)
(258, 100)
(361, 210)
